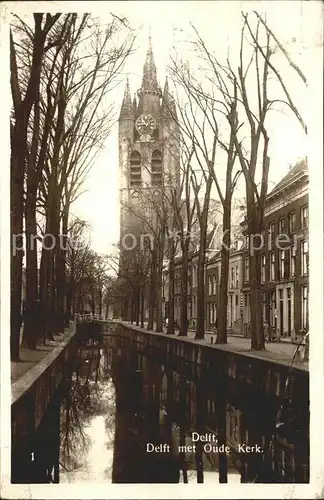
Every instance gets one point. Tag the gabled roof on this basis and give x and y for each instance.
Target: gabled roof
(210, 236)
(294, 174)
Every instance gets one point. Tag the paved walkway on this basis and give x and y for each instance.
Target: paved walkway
(30, 358)
(279, 352)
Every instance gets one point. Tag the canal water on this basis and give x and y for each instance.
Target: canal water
(128, 418)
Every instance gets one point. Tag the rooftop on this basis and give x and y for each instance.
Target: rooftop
(295, 173)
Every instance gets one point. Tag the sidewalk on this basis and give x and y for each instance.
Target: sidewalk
(30, 358)
(280, 352)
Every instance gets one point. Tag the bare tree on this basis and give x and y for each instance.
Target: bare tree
(23, 97)
(254, 70)
(58, 128)
(199, 122)
(38, 130)
(150, 216)
(131, 268)
(83, 122)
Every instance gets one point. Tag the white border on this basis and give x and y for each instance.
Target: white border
(316, 487)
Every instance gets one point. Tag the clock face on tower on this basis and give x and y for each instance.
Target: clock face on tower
(145, 124)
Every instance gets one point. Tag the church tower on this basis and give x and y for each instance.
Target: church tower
(148, 143)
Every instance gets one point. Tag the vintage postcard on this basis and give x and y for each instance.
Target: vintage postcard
(162, 249)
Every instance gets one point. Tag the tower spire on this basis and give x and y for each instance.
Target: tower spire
(126, 110)
(149, 81)
(168, 103)
(134, 105)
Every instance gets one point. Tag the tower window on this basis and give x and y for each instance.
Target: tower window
(135, 169)
(156, 172)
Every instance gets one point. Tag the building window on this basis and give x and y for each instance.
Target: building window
(273, 310)
(272, 266)
(292, 222)
(237, 276)
(215, 285)
(135, 169)
(289, 311)
(156, 172)
(263, 269)
(247, 270)
(194, 276)
(304, 217)
(304, 308)
(281, 311)
(194, 305)
(271, 231)
(209, 285)
(304, 257)
(281, 225)
(292, 261)
(282, 265)
(264, 307)
(247, 242)
(263, 234)
(232, 277)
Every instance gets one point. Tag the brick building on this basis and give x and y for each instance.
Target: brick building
(284, 257)
(234, 303)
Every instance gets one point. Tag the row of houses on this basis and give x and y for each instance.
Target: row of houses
(283, 245)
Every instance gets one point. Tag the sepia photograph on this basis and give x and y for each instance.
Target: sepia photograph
(162, 249)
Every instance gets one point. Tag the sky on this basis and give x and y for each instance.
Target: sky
(169, 23)
(296, 23)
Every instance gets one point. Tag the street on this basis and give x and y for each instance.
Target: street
(281, 352)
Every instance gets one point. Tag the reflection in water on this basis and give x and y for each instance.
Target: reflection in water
(87, 419)
(119, 404)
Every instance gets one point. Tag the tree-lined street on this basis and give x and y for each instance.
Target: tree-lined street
(208, 132)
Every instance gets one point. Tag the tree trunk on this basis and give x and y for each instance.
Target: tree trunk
(257, 339)
(60, 280)
(223, 286)
(254, 228)
(152, 290)
(138, 305)
(48, 265)
(22, 110)
(184, 290)
(100, 300)
(125, 309)
(203, 219)
(170, 329)
(31, 322)
(61, 274)
(16, 188)
(200, 326)
(142, 305)
(159, 326)
(133, 309)
(43, 280)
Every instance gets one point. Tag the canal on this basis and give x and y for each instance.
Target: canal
(128, 418)
(124, 414)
